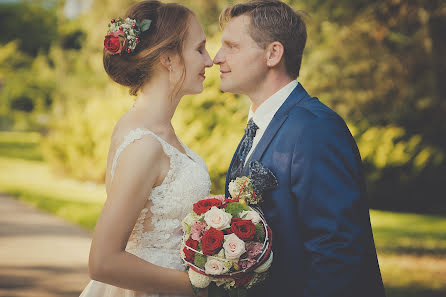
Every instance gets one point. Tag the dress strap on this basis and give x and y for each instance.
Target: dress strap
(133, 135)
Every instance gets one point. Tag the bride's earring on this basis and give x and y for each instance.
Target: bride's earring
(170, 73)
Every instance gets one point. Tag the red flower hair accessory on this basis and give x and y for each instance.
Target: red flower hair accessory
(123, 36)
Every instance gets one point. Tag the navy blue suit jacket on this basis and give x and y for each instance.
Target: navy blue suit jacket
(323, 242)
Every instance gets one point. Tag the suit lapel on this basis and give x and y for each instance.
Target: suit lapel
(279, 118)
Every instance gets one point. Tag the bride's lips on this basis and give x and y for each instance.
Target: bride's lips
(222, 72)
(203, 75)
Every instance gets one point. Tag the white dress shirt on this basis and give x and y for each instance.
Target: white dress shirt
(266, 111)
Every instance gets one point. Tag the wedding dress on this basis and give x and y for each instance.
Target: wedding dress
(187, 181)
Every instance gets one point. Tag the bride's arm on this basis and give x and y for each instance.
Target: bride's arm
(138, 169)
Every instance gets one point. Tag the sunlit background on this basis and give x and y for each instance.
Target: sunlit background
(380, 64)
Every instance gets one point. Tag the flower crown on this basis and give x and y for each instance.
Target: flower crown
(123, 36)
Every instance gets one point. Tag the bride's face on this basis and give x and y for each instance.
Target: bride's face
(196, 59)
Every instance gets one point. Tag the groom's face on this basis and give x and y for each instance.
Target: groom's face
(242, 61)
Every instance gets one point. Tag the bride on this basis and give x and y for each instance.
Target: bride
(158, 51)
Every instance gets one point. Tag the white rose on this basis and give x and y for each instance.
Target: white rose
(191, 218)
(265, 265)
(234, 247)
(232, 189)
(218, 218)
(250, 215)
(198, 280)
(215, 267)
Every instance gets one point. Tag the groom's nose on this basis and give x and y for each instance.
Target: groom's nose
(218, 59)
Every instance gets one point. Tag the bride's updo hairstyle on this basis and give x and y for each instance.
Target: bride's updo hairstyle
(167, 33)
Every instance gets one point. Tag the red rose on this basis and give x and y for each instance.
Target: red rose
(228, 230)
(204, 205)
(244, 229)
(228, 201)
(233, 220)
(211, 241)
(115, 42)
(190, 254)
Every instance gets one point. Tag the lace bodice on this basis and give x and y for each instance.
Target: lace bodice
(187, 181)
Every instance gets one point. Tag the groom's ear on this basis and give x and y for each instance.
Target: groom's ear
(274, 53)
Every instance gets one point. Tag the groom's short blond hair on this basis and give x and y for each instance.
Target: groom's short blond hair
(273, 21)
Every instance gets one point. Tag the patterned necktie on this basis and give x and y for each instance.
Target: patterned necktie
(245, 147)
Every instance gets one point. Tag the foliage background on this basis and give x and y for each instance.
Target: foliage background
(379, 64)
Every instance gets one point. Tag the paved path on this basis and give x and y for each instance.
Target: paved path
(40, 255)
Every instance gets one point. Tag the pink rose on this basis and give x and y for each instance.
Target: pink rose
(215, 267)
(254, 249)
(218, 218)
(197, 230)
(234, 247)
(246, 263)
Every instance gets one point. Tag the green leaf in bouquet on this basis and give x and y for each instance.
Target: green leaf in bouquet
(235, 209)
(187, 228)
(200, 260)
(221, 254)
(195, 289)
(260, 232)
(257, 279)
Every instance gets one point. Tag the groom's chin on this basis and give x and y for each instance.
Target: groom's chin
(225, 87)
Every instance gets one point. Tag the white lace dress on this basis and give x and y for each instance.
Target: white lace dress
(186, 182)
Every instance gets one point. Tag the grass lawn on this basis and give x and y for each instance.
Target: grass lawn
(25, 175)
(411, 247)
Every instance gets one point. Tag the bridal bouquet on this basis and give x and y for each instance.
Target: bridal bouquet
(227, 241)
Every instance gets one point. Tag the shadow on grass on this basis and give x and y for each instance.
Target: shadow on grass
(413, 251)
(414, 292)
(33, 280)
(84, 214)
(24, 151)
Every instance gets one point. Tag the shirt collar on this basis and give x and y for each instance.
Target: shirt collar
(266, 111)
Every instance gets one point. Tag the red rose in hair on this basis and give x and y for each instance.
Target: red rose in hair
(211, 241)
(204, 205)
(244, 229)
(190, 254)
(115, 42)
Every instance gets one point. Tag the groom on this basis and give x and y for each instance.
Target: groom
(323, 242)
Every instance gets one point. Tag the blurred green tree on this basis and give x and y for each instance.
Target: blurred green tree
(379, 64)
